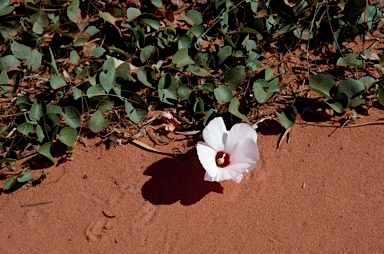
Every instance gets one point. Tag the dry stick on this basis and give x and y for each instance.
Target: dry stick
(344, 126)
(37, 204)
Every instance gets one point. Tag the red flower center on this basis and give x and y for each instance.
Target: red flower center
(222, 159)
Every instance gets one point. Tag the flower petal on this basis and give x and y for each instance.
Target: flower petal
(234, 172)
(207, 157)
(238, 133)
(214, 134)
(245, 151)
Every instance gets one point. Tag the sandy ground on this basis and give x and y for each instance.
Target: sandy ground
(321, 193)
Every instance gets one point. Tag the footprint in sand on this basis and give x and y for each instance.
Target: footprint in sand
(144, 216)
(95, 229)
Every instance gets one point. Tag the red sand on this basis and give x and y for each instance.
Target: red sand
(317, 194)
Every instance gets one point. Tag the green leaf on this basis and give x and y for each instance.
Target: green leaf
(34, 60)
(197, 31)
(108, 74)
(57, 82)
(288, 116)
(133, 13)
(223, 94)
(40, 133)
(235, 77)
(8, 61)
(322, 84)
(207, 87)
(6, 8)
(261, 94)
(135, 115)
(149, 53)
(45, 150)
(142, 75)
(39, 21)
(25, 177)
(73, 10)
(25, 128)
(36, 112)
(224, 53)
(77, 93)
(234, 110)
(71, 117)
(92, 30)
(157, 3)
(73, 56)
(98, 51)
(198, 71)
(3, 78)
(351, 87)
(97, 122)
(198, 107)
(68, 136)
(20, 51)
(373, 16)
(183, 92)
(339, 103)
(54, 109)
(184, 42)
(181, 58)
(367, 81)
(9, 183)
(108, 17)
(150, 20)
(193, 17)
(351, 60)
(105, 106)
(53, 62)
(96, 90)
(167, 89)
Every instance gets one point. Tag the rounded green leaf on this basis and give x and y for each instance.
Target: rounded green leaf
(288, 116)
(134, 114)
(9, 183)
(20, 51)
(193, 17)
(71, 117)
(207, 87)
(98, 52)
(133, 13)
(57, 82)
(235, 77)
(25, 128)
(224, 53)
(97, 122)
(351, 87)
(45, 150)
(223, 94)
(181, 58)
(36, 112)
(149, 53)
(68, 136)
(234, 109)
(25, 177)
(321, 84)
(183, 92)
(367, 81)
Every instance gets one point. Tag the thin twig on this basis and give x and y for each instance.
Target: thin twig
(379, 122)
(37, 204)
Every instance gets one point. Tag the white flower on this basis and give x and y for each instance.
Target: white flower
(227, 154)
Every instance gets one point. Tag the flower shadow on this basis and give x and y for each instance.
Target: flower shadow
(177, 179)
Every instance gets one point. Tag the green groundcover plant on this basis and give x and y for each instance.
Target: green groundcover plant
(71, 68)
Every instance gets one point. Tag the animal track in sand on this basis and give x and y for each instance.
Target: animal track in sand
(144, 216)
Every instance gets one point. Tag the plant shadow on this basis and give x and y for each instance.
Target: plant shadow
(177, 179)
